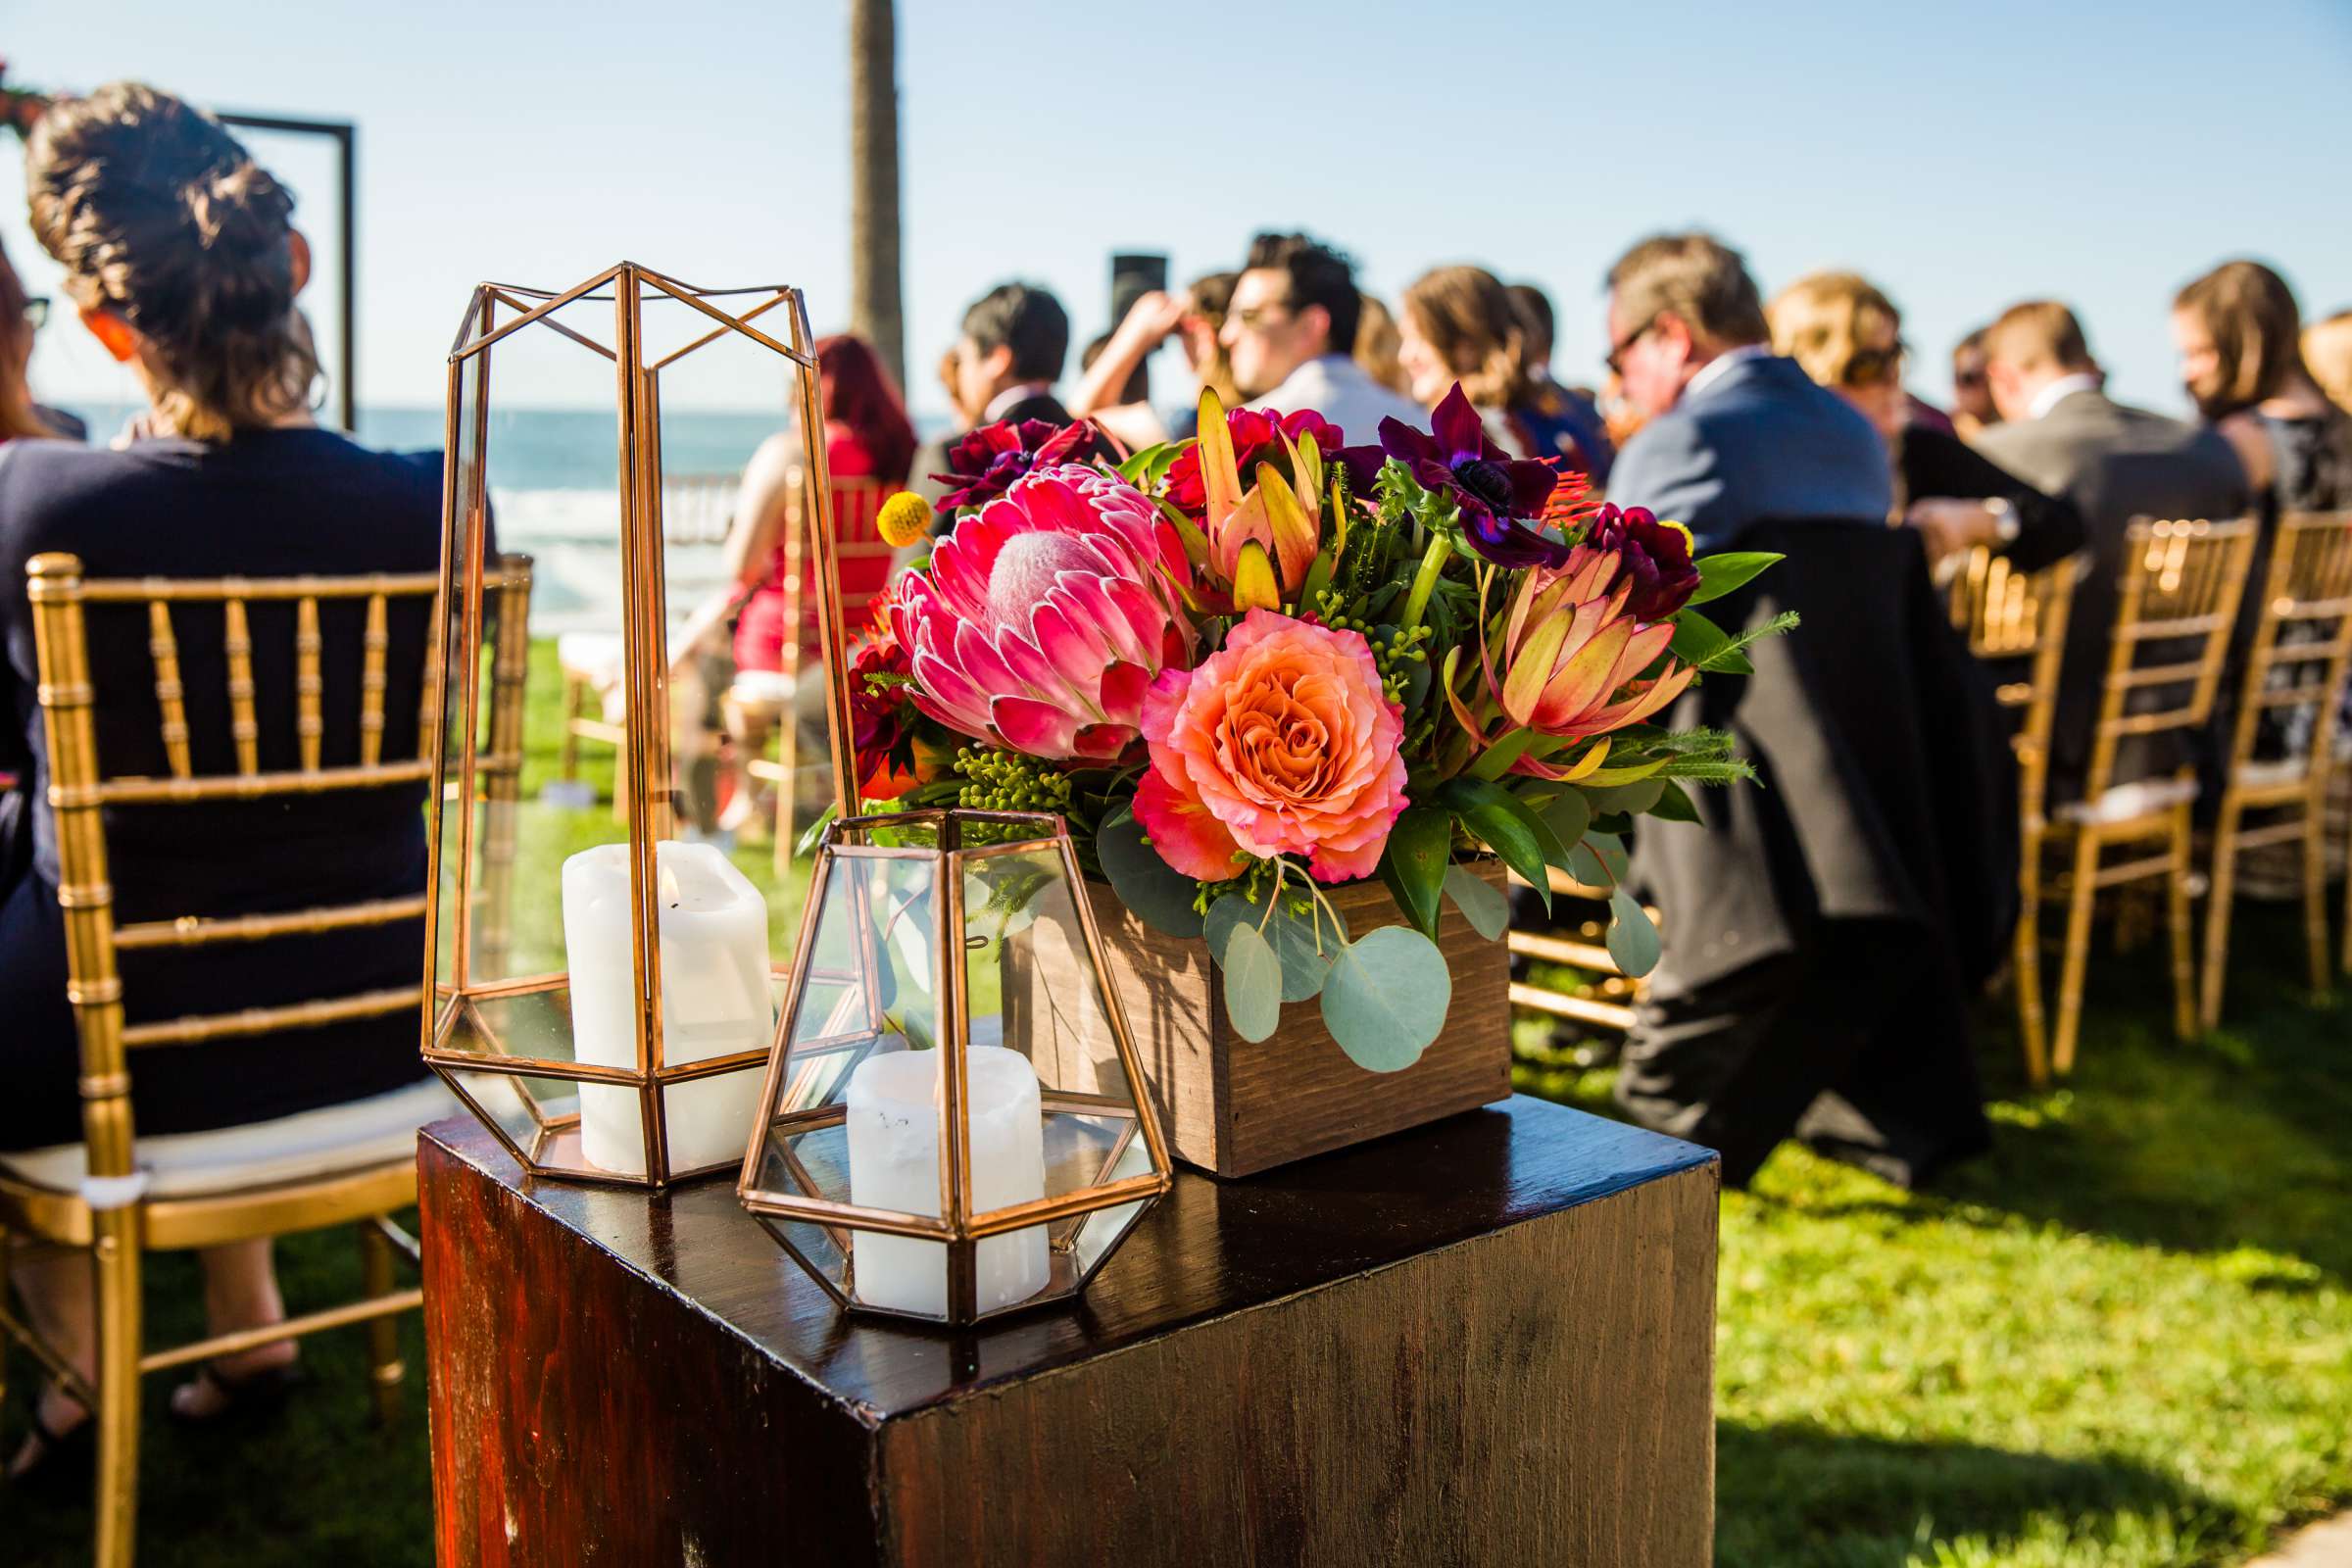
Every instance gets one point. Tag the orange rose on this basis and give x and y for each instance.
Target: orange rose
(1281, 741)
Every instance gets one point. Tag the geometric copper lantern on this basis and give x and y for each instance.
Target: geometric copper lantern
(954, 1124)
(604, 987)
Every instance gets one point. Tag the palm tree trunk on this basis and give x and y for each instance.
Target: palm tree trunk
(876, 309)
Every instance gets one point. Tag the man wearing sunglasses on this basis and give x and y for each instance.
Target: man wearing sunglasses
(1821, 922)
(1290, 332)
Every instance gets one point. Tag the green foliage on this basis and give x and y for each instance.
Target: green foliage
(1720, 574)
(1007, 781)
(1252, 982)
(1385, 998)
(1507, 825)
(1633, 939)
(1488, 910)
(1161, 896)
(1303, 934)
(1420, 848)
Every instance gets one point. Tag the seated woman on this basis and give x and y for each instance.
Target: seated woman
(869, 441)
(1847, 337)
(179, 253)
(1459, 323)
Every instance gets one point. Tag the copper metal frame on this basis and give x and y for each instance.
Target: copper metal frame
(467, 775)
(957, 1224)
(2182, 584)
(109, 1217)
(2307, 589)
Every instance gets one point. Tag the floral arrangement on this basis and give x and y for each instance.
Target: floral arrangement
(1251, 666)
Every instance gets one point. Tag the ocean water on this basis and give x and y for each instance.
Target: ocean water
(554, 476)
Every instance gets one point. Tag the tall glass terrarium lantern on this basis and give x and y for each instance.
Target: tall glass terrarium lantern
(608, 910)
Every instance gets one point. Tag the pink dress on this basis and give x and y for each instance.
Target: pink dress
(760, 631)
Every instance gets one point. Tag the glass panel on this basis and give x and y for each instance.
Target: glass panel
(537, 1116)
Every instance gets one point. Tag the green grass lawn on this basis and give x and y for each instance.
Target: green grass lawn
(2123, 1339)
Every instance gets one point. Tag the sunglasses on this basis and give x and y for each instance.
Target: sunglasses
(1875, 367)
(1615, 358)
(36, 311)
(1254, 316)
(1968, 379)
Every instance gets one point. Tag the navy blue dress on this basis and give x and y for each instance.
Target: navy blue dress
(268, 503)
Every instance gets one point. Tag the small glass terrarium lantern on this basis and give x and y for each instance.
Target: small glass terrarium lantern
(602, 945)
(954, 1124)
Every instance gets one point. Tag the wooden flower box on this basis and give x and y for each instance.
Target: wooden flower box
(1232, 1107)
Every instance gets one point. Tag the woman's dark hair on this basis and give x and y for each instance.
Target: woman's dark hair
(859, 394)
(18, 415)
(2257, 334)
(160, 217)
(1027, 319)
(1318, 276)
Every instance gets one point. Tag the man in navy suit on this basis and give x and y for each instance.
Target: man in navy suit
(1822, 923)
(1736, 434)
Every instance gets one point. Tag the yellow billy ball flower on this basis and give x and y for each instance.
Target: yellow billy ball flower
(905, 519)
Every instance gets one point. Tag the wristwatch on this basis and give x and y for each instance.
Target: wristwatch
(2003, 513)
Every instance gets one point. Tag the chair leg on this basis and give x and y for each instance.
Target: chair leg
(2079, 900)
(2185, 967)
(2025, 966)
(383, 1333)
(114, 1263)
(567, 757)
(2315, 890)
(2219, 906)
(788, 763)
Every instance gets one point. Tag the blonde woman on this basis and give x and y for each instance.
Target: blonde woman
(1847, 337)
(1460, 325)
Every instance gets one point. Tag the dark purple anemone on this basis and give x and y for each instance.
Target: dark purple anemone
(983, 463)
(1655, 555)
(1496, 493)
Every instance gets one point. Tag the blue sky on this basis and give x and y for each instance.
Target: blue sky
(1964, 156)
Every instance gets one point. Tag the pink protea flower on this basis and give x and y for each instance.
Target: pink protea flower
(1041, 620)
(1573, 647)
(1281, 742)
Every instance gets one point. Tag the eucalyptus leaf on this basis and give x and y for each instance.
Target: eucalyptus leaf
(1292, 937)
(1386, 996)
(1420, 848)
(1486, 908)
(1160, 896)
(1633, 939)
(1720, 574)
(1253, 984)
(1505, 824)
(1598, 862)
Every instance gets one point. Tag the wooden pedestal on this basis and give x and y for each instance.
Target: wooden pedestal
(1233, 1107)
(1490, 1340)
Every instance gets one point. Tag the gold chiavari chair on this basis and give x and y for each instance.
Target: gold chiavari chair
(117, 1197)
(863, 558)
(2179, 596)
(2297, 662)
(1615, 992)
(2018, 621)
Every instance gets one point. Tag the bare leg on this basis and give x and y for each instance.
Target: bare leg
(56, 1291)
(240, 1292)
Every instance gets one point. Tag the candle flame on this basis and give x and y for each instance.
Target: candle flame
(671, 892)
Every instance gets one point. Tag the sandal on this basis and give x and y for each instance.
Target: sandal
(61, 1461)
(240, 1399)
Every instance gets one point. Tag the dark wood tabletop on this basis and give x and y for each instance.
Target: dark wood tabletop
(1210, 1248)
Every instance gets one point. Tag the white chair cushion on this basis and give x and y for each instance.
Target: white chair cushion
(2125, 801)
(303, 1147)
(763, 688)
(2262, 775)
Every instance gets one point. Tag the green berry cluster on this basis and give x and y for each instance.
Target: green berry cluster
(1007, 781)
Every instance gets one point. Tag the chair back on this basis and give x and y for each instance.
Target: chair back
(2178, 602)
(2303, 637)
(860, 553)
(2008, 615)
(698, 509)
(80, 792)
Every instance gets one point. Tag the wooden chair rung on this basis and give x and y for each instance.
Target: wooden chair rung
(199, 1027)
(1585, 1009)
(192, 931)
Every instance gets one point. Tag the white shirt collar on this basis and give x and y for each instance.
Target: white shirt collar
(1010, 396)
(1716, 368)
(2066, 386)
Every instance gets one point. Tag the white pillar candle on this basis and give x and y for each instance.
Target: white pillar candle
(895, 1104)
(714, 999)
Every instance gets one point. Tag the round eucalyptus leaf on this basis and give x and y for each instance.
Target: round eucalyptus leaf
(1303, 951)
(1253, 984)
(1385, 998)
(1160, 896)
(1488, 910)
(1633, 939)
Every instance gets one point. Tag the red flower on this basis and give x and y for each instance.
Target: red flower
(1256, 434)
(1654, 555)
(983, 463)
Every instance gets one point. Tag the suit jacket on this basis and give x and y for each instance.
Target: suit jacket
(2115, 464)
(1757, 443)
(931, 458)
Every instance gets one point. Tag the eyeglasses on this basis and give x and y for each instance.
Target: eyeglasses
(1615, 358)
(1252, 318)
(1968, 377)
(36, 311)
